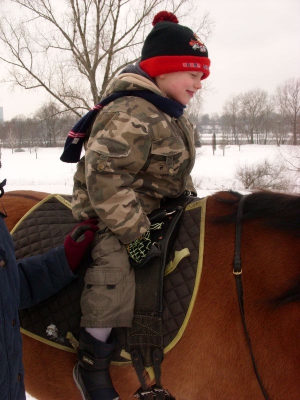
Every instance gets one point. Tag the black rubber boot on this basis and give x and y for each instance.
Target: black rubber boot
(91, 373)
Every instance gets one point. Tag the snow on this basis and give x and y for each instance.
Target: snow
(42, 170)
(39, 170)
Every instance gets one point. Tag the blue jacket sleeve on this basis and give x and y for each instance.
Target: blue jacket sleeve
(42, 276)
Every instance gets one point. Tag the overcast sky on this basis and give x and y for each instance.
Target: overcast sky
(254, 44)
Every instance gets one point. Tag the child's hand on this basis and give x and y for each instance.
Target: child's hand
(140, 248)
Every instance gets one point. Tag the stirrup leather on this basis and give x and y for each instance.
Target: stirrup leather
(155, 392)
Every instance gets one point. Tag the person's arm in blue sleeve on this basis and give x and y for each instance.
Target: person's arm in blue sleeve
(43, 275)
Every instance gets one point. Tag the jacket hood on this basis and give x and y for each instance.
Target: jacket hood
(133, 78)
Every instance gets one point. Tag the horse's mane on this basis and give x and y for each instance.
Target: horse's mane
(277, 210)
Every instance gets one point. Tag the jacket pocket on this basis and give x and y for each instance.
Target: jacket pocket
(166, 156)
(110, 151)
(107, 256)
(102, 280)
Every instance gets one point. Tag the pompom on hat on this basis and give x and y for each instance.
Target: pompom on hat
(171, 47)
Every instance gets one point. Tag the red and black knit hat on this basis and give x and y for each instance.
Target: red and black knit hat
(171, 47)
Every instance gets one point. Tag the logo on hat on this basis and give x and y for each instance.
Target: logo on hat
(197, 44)
(191, 65)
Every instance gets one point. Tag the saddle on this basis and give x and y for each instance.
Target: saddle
(161, 315)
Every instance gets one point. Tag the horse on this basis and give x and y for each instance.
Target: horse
(218, 357)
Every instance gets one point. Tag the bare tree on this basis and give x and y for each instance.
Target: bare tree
(10, 136)
(267, 122)
(12, 133)
(214, 143)
(52, 124)
(16, 134)
(231, 111)
(292, 159)
(288, 101)
(73, 49)
(31, 129)
(292, 162)
(263, 175)
(253, 105)
(224, 142)
(280, 129)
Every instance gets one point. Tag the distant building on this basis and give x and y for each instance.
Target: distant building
(1, 115)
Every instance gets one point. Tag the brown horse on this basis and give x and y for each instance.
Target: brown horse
(212, 360)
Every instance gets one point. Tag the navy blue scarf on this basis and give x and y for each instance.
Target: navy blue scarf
(77, 134)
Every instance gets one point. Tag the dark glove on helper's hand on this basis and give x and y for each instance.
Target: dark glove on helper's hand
(78, 241)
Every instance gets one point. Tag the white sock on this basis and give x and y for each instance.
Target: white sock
(99, 333)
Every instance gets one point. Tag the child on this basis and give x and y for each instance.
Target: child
(140, 151)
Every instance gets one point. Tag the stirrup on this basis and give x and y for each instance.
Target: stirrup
(144, 394)
(162, 394)
(153, 393)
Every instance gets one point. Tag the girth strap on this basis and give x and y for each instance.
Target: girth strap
(145, 337)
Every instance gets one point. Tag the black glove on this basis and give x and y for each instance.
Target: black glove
(140, 248)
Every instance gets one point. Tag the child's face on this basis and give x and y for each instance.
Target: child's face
(180, 86)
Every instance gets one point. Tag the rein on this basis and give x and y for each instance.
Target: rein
(237, 271)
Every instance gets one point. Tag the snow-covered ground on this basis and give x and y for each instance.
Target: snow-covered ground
(42, 170)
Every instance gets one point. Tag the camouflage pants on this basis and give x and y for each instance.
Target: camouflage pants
(107, 299)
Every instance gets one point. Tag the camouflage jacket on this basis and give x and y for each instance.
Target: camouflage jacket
(135, 156)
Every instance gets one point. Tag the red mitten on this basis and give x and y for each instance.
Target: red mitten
(78, 241)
